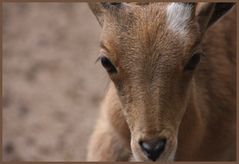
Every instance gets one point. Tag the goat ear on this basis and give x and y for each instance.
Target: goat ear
(98, 11)
(99, 8)
(208, 13)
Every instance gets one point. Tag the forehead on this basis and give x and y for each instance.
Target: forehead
(150, 28)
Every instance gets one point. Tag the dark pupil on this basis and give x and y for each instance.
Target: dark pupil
(192, 63)
(115, 3)
(108, 65)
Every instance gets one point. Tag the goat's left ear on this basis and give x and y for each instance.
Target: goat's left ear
(208, 13)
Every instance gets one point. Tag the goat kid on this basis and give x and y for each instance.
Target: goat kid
(173, 82)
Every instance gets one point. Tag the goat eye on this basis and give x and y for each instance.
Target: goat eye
(106, 63)
(192, 63)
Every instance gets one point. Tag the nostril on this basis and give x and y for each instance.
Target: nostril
(153, 148)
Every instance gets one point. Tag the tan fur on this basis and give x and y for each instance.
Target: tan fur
(151, 96)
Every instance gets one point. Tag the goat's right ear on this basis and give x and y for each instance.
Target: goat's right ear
(98, 11)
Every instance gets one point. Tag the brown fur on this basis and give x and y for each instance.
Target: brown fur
(151, 96)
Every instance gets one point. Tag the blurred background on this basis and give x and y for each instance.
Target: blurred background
(52, 87)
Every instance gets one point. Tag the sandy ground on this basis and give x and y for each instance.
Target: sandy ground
(52, 87)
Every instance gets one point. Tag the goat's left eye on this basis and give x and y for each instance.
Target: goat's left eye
(193, 62)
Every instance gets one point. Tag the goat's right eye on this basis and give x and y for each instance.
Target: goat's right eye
(192, 63)
(106, 63)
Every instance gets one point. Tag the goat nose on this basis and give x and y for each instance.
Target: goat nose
(153, 148)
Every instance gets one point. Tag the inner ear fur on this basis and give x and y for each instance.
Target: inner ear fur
(209, 13)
